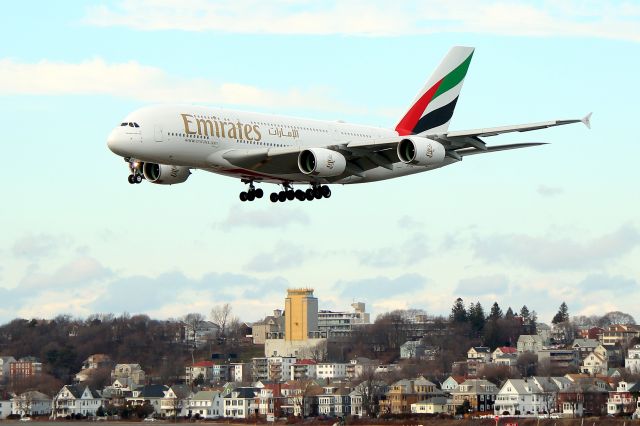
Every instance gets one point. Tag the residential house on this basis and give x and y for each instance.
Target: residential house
(237, 372)
(529, 343)
(303, 369)
(480, 393)
(359, 366)
(451, 383)
(240, 403)
(31, 403)
(205, 405)
(131, 374)
(271, 324)
(619, 334)
(632, 361)
(503, 350)
(584, 347)
(331, 370)
(198, 335)
(479, 353)
(280, 367)
(270, 400)
(623, 399)
(151, 395)
(403, 393)
(526, 396)
(434, 405)
(544, 331)
(594, 364)
(300, 398)
(96, 361)
(412, 349)
(175, 401)
(76, 400)
(5, 362)
(335, 401)
(200, 371)
(585, 397)
(5, 406)
(259, 368)
(365, 397)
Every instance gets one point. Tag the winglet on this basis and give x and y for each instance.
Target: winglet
(586, 120)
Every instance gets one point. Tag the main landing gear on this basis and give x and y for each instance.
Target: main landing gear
(251, 194)
(288, 194)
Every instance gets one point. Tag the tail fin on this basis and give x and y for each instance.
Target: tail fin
(433, 108)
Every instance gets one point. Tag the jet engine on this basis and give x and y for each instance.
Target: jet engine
(420, 151)
(321, 162)
(165, 175)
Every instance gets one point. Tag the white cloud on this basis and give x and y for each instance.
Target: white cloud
(241, 217)
(548, 254)
(35, 246)
(133, 80)
(483, 285)
(614, 20)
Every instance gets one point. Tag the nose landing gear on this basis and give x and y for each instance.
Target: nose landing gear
(135, 169)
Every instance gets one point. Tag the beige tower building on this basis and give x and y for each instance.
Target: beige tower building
(301, 314)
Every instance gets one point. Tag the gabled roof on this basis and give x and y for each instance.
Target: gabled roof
(153, 391)
(585, 343)
(181, 391)
(480, 349)
(243, 393)
(507, 350)
(205, 395)
(78, 390)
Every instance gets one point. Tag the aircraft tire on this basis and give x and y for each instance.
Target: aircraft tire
(273, 197)
(243, 196)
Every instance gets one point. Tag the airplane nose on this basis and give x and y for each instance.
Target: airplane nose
(115, 142)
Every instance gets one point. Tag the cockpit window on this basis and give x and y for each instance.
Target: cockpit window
(130, 124)
(135, 125)
(123, 124)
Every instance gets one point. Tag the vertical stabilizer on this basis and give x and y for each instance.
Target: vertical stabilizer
(433, 108)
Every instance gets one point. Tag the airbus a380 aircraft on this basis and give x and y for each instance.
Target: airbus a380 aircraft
(163, 143)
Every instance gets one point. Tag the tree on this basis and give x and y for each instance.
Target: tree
(221, 316)
(476, 318)
(458, 312)
(509, 315)
(562, 315)
(615, 317)
(524, 313)
(496, 312)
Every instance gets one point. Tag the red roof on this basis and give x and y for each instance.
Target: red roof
(306, 362)
(508, 350)
(204, 364)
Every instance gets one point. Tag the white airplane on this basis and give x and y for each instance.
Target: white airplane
(163, 143)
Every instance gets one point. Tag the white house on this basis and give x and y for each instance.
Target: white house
(31, 403)
(175, 400)
(452, 383)
(529, 343)
(632, 361)
(76, 399)
(5, 408)
(331, 370)
(132, 374)
(149, 394)
(481, 353)
(525, 396)
(594, 364)
(205, 404)
(240, 403)
(435, 405)
(5, 363)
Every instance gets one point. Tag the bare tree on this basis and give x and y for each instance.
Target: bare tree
(193, 321)
(222, 317)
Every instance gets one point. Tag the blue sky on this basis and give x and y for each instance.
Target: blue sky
(532, 227)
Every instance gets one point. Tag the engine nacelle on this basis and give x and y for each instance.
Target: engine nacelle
(420, 151)
(165, 175)
(321, 162)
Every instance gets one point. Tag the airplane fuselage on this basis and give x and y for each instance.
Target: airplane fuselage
(198, 137)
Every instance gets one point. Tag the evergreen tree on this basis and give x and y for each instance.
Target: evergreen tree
(496, 312)
(524, 313)
(458, 312)
(562, 315)
(534, 322)
(476, 318)
(509, 315)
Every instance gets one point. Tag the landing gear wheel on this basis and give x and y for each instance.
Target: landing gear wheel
(326, 192)
(316, 193)
(131, 179)
(251, 195)
(291, 195)
(243, 196)
(138, 179)
(300, 195)
(273, 197)
(259, 193)
(282, 196)
(309, 194)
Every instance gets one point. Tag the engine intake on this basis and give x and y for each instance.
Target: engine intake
(420, 151)
(163, 174)
(321, 162)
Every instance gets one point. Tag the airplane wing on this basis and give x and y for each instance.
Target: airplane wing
(369, 154)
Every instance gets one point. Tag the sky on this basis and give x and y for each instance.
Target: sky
(528, 227)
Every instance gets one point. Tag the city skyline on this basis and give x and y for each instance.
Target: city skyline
(555, 223)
